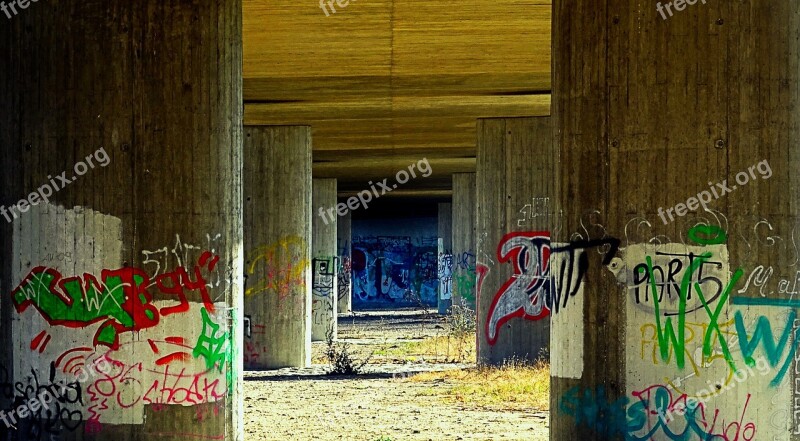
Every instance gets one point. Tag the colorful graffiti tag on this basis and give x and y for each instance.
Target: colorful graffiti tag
(465, 277)
(277, 268)
(692, 343)
(653, 413)
(122, 302)
(544, 277)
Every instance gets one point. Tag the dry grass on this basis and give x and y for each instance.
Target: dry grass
(439, 349)
(514, 386)
(444, 348)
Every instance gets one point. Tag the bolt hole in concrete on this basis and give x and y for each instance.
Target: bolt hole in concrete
(421, 383)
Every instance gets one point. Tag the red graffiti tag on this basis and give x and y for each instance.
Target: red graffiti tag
(121, 303)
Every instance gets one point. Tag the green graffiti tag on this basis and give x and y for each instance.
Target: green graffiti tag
(212, 345)
(666, 331)
(120, 303)
(464, 285)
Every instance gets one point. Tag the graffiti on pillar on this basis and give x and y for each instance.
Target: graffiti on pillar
(705, 298)
(324, 275)
(761, 279)
(445, 272)
(323, 290)
(395, 269)
(152, 371)
(117, 343)
(669, 264)
(181, 254)
(343, 273)
(465, 277)
(343, 277)
(41, 406)
(254, 349)
(177, 382)
(213, 344)
(653, 413)
(538, 208)
(278, 268)
(120, 301)
(544, 277)
(702, 356)
(796, 391)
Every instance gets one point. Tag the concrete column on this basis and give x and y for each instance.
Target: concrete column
(121, 127)
(344, 237)
(464, 212)
(445, 271)
(277, 219)
(514, 183)
(678, 126)
(324, 261)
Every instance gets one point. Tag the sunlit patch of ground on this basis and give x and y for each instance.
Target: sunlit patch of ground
(421, 384)
(514, 386)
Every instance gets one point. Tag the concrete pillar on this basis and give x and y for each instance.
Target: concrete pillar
(656, 108)
(324, 260)
(344, 240)
(122, 128)
(277, 232)
(464, 212)
(445, 271)
(514, 185)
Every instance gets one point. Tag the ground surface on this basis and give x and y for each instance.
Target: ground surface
(380, 405)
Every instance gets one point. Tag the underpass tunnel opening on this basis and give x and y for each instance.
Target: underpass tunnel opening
(394, 255)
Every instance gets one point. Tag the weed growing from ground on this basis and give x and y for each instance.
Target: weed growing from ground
(340, 357)
(461, 332)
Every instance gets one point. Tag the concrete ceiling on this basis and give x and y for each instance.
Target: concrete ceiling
(385, 83)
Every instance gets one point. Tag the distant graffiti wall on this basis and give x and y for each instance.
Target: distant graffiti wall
(394, 263)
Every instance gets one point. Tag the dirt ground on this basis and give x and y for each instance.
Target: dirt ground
(306, 404)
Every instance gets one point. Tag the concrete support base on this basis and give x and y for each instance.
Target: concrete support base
(344, 233)
(445, 258)
(277, 191)
(464, 213)
(324, 261)
(514, 171)
(123, 266)
(653, 107)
